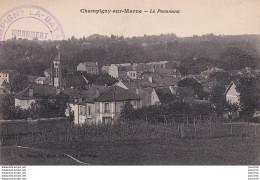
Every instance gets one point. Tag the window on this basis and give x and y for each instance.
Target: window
(97, 107)
(56, 72)
(64, 72)
(82, 111)
(107, 108)
(89, 110)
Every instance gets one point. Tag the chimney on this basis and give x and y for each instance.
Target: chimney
(137, 91)
(30, 92)
(80, 99)
(151, 79)
(57, 91)
(97, 92)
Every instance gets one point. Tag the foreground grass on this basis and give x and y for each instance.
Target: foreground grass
(132, 144)
(213, 151)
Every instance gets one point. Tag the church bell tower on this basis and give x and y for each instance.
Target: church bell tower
(59, 71)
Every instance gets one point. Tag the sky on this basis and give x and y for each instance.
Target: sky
(196, 17)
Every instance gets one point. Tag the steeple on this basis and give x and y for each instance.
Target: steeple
(59, 71)
(58, 58)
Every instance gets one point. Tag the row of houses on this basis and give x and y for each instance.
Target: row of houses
(103, 104)
(139, 84)
(136, 70)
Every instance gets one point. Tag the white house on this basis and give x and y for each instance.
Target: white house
(7, 75)
(148, 94)
(83, 106)
(132, 74)
(89, 67)
(232, 95)
(109, 103)
(112, 70)
(42, 80)
(26, 97)
(83, 111)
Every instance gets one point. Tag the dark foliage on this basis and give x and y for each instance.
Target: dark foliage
(194, 85)
(196, 53)
(249, 95)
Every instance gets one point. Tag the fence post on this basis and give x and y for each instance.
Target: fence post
(195, 128)
(173, 119)
(178, 131)
(165, 121)
(182, 130)
(231, 127)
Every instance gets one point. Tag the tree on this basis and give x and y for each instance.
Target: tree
(49, 106)
(6, 106)
(194, 85)
(235, 59)
(218, 98)
(8, 109)
(222, 77)
(165, 97)
(19, 83)
(128, 112)
(249, 99)
(202, 108)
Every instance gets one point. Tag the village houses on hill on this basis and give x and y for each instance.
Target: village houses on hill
(142, 85)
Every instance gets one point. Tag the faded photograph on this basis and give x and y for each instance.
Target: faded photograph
(130, 83)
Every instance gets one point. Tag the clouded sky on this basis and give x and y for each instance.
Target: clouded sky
(196, 17)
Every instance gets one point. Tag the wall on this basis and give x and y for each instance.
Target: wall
(232, 95)
(154, 98)
(24, 104)
(81, 67)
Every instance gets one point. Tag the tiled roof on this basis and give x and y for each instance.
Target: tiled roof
(7, 71)
(131, 84)
(39, 90)
(74, 92)
(76, 80)
(90, 64)
(166, 81)
(40, 78)
(146, 94)
(116, 93)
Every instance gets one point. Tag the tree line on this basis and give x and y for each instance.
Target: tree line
(195, 53)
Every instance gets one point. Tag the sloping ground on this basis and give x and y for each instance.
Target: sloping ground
(12, 155)
(207, 151)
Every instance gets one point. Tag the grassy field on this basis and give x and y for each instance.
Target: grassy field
(135, 144)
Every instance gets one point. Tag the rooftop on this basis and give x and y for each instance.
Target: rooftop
(116, 93)
(39, 90)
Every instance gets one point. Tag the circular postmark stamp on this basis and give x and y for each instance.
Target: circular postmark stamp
(30, 22)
